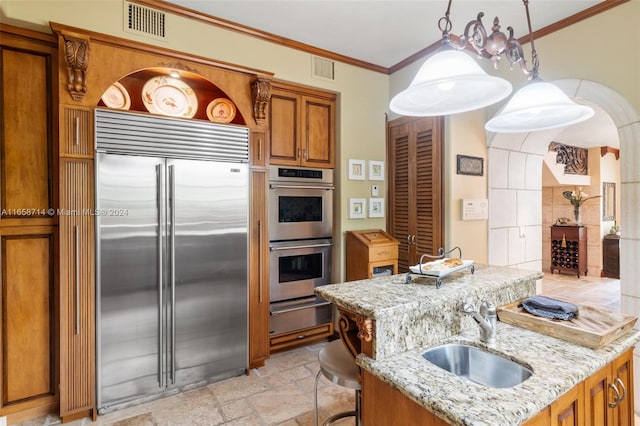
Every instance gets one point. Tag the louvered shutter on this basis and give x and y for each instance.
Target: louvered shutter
(415, 215)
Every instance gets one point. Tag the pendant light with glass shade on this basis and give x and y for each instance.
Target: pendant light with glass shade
(538, 105)
(450, 81)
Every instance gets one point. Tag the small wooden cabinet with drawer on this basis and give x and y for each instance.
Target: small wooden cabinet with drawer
(370, 253)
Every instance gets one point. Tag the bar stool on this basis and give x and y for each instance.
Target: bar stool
(337, 365)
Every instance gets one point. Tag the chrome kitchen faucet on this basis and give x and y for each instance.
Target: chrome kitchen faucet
(486, 318)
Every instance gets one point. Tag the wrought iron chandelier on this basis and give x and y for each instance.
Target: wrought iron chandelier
(451, 82)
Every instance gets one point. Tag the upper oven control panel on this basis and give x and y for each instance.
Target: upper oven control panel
(300, 175)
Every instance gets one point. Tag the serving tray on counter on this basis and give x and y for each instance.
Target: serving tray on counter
(593, 327)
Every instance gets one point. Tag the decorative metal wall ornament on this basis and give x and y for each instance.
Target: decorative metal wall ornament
(575, 159)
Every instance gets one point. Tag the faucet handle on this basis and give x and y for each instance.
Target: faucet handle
(468, 307)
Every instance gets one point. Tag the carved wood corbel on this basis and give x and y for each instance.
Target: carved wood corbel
(76, 52)
(356, 331)
(261, 91)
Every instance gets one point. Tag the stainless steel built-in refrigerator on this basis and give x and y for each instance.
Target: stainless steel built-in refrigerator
(172, 208)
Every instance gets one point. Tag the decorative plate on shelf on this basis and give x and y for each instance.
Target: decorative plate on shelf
(116, 96)
(221, 110)
(169, 96)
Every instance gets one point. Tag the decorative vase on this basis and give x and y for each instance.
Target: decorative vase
(577, 213)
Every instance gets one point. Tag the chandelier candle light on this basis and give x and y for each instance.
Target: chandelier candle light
(577, 198)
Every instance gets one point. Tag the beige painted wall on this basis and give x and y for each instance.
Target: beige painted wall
(362, 94)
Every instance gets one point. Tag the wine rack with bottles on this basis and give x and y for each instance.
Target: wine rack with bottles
(569, 249)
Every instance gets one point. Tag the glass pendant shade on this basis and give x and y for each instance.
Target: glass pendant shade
(538, 106)
(449, 82)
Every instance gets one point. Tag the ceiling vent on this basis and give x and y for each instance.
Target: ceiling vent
(143, 20)
(323, 68)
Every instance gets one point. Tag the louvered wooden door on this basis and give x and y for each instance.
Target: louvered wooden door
(415, 219)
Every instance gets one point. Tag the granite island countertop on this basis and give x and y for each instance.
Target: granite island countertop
(415, 314)
(384, 297)
(557, 367)
(411, 318)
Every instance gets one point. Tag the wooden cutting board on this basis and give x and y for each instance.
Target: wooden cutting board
(593, 327)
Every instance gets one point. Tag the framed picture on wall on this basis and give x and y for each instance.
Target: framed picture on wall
(472, 166)
(376, 207)
(357, 208)
(356, 169)
(376, 170)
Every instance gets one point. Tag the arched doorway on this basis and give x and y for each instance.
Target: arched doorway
(515, 191)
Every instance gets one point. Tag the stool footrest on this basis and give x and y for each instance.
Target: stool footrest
(339, 416)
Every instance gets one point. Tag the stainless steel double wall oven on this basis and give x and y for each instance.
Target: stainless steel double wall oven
(301, 246)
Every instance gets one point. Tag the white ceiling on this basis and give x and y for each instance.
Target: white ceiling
(383, 32)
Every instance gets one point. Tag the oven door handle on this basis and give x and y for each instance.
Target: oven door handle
(300, 246)
(298, 308)
(278, 186)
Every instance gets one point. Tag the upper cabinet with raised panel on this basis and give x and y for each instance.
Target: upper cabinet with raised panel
(302, 127)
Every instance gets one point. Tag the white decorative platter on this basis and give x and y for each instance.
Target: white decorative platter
(116, 96)
(416, 269)
(169, 96)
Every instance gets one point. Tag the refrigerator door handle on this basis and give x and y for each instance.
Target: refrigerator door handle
(172, 241)
(160, 277)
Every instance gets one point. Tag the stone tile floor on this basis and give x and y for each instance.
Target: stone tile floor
(281, 392)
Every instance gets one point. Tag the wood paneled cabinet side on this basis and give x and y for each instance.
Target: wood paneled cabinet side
(28, 232)
(258, 262)
(77, 289)
(384, 405)
(301, 127)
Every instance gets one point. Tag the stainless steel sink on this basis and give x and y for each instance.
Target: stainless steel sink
(478, 365)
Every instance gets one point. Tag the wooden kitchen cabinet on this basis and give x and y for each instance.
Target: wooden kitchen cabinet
(76, 132)
(415, 217)
(568, 410)
(28, 232)
(258, 255)
(302, 127)
(569, 249)
(77, 289)
(370, 253)
(77, 264)
(608, 394)
(589, 403)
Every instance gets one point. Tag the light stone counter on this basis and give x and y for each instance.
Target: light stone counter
(557, 367)
(413, 315)
(408, 319)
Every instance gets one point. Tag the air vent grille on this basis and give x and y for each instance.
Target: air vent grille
(323, 68)
(143, 20)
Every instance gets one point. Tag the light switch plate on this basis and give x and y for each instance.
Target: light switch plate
(374, 190)
(3, 421)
